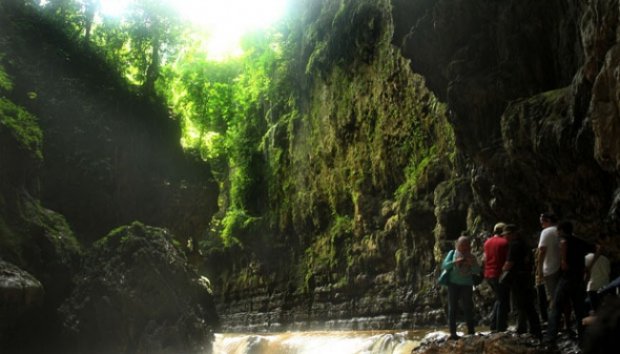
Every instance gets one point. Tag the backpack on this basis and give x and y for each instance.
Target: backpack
(444, 277)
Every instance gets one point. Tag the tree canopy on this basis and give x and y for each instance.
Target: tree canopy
(221, 106)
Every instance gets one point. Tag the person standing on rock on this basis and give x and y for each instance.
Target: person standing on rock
(461, 267)
(519, 265)
(548, 262)
(495, 253)
(571, 288)
(597, 272)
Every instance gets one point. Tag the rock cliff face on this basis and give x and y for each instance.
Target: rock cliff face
(111, 155)
(375, 175)
(395, 126)
(361, 169)
(74, 140)
(521, 79)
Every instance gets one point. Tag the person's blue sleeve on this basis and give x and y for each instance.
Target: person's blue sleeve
(448, 262)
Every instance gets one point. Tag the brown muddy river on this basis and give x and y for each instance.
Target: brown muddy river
(319, 342)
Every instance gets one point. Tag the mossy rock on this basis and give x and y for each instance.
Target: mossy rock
(137, 293)
(22, 126)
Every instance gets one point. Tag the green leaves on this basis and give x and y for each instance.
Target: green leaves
(22, 126)
(5, 82)
(221, 106)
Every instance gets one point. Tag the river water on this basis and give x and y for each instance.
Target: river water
(317, 342)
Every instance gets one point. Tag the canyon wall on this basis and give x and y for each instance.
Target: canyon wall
(410, 123)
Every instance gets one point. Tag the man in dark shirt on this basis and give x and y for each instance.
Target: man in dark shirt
(519, 263)
(571, 286)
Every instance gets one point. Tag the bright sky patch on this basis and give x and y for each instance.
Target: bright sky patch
(225, 20)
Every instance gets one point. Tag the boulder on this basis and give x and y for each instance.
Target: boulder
(20, 294)
(137, 294)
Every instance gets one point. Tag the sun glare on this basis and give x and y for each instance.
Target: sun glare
(225, 20)
(113, 7)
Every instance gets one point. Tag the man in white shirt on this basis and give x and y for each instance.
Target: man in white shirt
(548, 255)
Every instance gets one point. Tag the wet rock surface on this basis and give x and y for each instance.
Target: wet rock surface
(494, 343)
(21, 294)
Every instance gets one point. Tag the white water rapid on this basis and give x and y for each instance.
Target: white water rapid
(345, 342)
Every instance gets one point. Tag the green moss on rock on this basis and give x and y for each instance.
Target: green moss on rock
(22, 126)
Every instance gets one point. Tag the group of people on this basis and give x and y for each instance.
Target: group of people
(566, 270)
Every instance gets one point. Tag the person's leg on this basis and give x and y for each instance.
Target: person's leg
(453, 297)
(503, 308)
(468, 308)
(495, 286)
(551, 283)
(567, 315)
(577, 296)
(542, 302)
(518, 297)
(530, 310)
(556, 309)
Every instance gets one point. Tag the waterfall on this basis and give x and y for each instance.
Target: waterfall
(345, 342)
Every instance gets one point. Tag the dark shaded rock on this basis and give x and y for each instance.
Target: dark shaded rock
(531, 89)
(48, 248)
(137, 294)
(21, 295)
(477, 55)
(37, 240)
(499, 343)
(19, 289)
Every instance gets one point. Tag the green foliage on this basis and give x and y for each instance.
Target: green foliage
(330, 252)
(235, 223)
(5, 82)
(138, 44)
(35, 234)
(428, 152)
(154, 30)
(22, 126)
(305, 130)
(222, 107)
(67, 14)
(202, 93)
(54, 226)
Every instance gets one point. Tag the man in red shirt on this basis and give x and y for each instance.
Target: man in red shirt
(495, 253)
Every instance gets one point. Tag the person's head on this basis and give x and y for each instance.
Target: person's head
(498, 228)
(548, 219)
(510, 231)
(601, 242)
(565, 228)
(463, 244)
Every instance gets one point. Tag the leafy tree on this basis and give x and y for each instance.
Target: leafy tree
(90, 10)
(223, 107)
(110, 38)
(66, 14)
(154, 29)
(201, 92)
